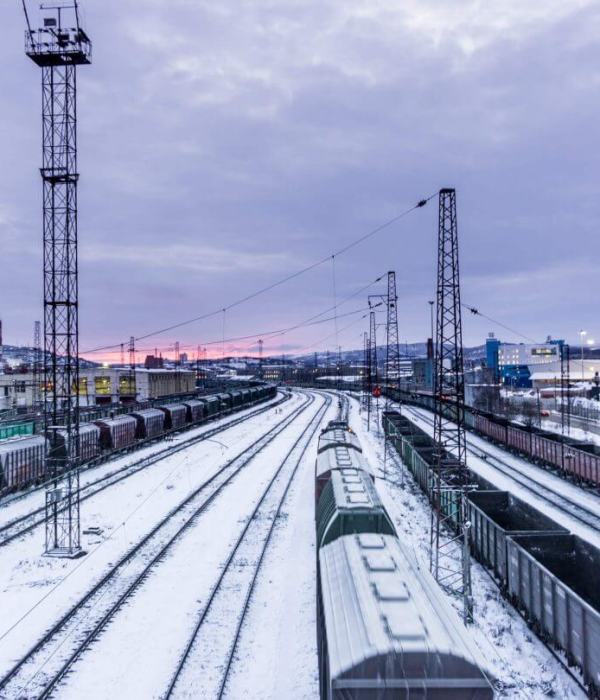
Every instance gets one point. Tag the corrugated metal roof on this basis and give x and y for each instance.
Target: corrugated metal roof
(382, 613)
(341, 458)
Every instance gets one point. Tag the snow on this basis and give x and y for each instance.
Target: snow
(522, 666)
(15, 506)
(138, 651)
(43, 588)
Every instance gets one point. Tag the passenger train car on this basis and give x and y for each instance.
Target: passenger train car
(22, 459)
(383, 628)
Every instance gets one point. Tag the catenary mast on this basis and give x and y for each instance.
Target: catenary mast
(58, 47)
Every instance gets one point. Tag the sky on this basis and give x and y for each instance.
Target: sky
(224, 146)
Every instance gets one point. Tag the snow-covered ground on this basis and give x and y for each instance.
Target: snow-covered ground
(136, 654)
(536, 474)
(35, 590)
(15, 506)
(522, 664)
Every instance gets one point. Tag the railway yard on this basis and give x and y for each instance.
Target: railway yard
(201, 567)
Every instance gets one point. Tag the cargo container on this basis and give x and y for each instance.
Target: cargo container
(494, 515)
(555, 580)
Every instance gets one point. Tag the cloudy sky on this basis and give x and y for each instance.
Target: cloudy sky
(223, 146)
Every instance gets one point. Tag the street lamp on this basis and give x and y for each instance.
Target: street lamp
(582, 334)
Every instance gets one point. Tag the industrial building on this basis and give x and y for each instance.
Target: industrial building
(101, 385)
(514, 363)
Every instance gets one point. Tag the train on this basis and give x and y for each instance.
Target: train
(384, 629)
(23, 458)
(572, 458)
(549, 574)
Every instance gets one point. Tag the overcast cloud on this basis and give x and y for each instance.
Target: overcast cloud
(224, 145)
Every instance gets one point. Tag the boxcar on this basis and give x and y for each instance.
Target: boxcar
(236, 398)
(494, 515)
(555, 579)
(175, 414)
(212, 405)
(150, 423)
(225, 402)
(195, 410)
(385, 631)
(342, 458)
(22, 461)
(117, 433)
(89, 442)
(350, 504)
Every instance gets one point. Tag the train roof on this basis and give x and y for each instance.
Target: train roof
(21, 441)
(388, 625)
(147, 412)
(209, 399)
(193, 402)
(122, 418)
(337, 436)
(354, 491)
(341, 458)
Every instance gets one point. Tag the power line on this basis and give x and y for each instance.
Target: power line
(278, 283)
(476, 312)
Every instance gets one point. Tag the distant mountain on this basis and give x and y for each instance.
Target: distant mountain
(17, 354)
(407, 351)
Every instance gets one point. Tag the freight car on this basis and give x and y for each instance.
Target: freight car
(89, 442)
(194, 411)
(384, 630)
(22, 461)
(105, 435)
(571, 458)
(342, 458)
(117, 433)
(334, 438)
(555, 580)
(496, 515)
(150, 423)
(349, 504)
(175, 415)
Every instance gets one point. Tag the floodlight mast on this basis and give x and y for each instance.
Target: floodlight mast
(58, 49)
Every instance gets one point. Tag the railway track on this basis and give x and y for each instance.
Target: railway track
(586, 516)
(107, 456)
(40, 671)
(210, 643)
(26, 523)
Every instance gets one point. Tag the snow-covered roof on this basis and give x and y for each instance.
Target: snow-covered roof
(386, 620)
(336, 459)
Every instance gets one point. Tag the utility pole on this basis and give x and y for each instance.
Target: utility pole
(366, 372)
(122, 354)
(392, 352)
(565, 395)
(177, 368)
(450, 559)
(58, 48)
(260, 358)
(373, 378)
(37, 363)
(132, 377)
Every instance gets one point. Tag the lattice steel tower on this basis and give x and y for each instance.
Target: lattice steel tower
(392, 352)
(58, 48)
(449, 549)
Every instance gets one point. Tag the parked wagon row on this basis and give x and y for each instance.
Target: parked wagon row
(23, 459)
(572, 458)
(552, 576)
(384, 629)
